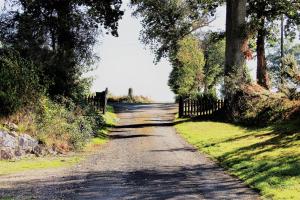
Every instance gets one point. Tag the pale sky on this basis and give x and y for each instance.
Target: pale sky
(126, 63)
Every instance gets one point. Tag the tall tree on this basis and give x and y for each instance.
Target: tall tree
(236, 44)
(58, 35)
(263, 14)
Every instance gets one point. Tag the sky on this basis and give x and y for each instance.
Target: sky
(126, 63)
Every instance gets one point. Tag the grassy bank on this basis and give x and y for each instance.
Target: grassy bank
(268, 159)
(10, 167)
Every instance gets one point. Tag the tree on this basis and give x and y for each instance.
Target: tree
(236, 45)
(285, 77)
(263, 14)
(186, 78)
(214, 53)
(58, 36)
(167, 22)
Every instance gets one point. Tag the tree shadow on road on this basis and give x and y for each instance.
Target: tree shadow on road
(205, 181)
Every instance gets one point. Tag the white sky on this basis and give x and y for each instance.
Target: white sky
(126, 63)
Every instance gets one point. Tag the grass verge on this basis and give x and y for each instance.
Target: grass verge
(11, 167)
(267, 159)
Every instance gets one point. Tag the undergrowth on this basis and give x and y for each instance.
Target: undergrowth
(98, 138)
(61, 124)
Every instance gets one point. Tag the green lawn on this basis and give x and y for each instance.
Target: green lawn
(267, 159)
(10, 167)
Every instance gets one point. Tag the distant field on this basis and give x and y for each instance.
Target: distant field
(268, 159)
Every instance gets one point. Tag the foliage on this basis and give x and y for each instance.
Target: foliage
(255, 105)
(286, 79)
(186, 77)
(291, 69)
(58, 36)
(62, 125)
(291, 77)
(167, 22)
(234, 81)
(210, 97)
(214, 51)
(263, 14)
(66, 125)
(266, 158)
(50, 46)
(19, 82)
(263, 17)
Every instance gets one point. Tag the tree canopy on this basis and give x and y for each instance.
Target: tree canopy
(58, 36)
(187, 76)
(167, 22)
(263, 15)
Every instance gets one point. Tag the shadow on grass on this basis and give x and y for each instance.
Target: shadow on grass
(263, 162)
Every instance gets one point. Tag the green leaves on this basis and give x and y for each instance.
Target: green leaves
(19, 82)
(186, 77)
(58, 36)
(167, 22)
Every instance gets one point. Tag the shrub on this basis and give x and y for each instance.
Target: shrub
(19, 82)
(64, 125)
(256, 106)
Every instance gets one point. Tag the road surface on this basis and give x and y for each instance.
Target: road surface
(145, 159)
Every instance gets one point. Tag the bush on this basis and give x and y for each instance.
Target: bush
(66, 126)
(59, 124)
(254, 105)
(19, 82)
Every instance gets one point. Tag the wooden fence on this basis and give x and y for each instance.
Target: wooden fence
(99, 101)
(191, 108)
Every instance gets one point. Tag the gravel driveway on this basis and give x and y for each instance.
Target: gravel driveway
(145, 159)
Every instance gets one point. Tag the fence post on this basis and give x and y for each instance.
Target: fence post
(180, 113)
(130, 93)
(105, 100)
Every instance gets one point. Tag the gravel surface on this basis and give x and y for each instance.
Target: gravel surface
(145, 159)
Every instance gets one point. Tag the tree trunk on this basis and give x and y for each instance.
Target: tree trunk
(235, 35)
(236, 41)
(261, 74)
(282, 49)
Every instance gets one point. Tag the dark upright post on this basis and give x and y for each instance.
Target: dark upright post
(105, 100)
(180, 113)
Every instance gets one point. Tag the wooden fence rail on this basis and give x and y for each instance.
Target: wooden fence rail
(191, 108)
(99, 101)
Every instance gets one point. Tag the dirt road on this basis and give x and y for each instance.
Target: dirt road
(145, 159)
